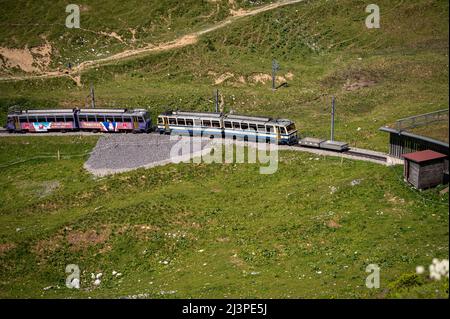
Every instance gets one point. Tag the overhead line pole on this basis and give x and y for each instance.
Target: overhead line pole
(332, 118)
(92, 97)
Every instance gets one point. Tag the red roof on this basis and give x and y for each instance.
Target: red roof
(424, 156)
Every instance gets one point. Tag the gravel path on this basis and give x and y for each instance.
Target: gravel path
(117, 153)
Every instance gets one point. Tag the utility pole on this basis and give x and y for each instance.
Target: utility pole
(332, 118)
(92, 97)
(275, 68)
(216, 96)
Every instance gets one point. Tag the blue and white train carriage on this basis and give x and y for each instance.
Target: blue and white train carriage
(240, 127)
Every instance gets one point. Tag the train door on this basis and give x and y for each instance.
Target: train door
(17, 123)
(76, 120)
(166, 124)
(135, 123)
(277, 133)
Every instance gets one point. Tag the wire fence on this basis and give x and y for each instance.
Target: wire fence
(421, 120)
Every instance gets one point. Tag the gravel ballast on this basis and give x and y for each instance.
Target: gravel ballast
(117, 153)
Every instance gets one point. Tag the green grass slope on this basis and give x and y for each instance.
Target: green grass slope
(198, 230)
(180, 231)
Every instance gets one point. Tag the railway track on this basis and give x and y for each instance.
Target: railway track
(5, 133)
(361, 154)
(376, 157)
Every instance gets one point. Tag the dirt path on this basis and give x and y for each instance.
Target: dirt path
(183, 41)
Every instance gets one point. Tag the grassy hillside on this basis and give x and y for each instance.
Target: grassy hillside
(180, 231)
(105, 27)
(225, 230)
(324, 48)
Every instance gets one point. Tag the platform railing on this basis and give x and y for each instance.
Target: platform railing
(421, 120)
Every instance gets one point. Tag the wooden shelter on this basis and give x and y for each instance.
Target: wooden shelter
(424, 169)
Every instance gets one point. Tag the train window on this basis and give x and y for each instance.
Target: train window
(91, 118)
(109, 119)
(215, 124)
(244, 126)
(59, 119)
(281, 129)
(82, 117)
(252, 127)
(160, 120)
(236, 125)
(100, 118)
(291, 127)
(197, 122)
(181, 122)
(269, 128)
(189, 122)
(172, 121)
(23, 120)
(141, 119)
(41, 119)
(227, 124)
(207, 123)
(261, 128)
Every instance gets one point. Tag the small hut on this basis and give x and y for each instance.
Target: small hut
(424, 169)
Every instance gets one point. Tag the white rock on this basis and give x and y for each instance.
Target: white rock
(355, 182)
(114, 273)
(99, 275)
(420, 270)
(97, 282)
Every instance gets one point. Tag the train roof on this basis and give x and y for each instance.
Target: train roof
(42, 112)
(247, 118)
(113, 111)
(81, 111)
(194, 114)
(258, 119)
(232, 117)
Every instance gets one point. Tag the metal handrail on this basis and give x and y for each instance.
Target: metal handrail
(422, 119)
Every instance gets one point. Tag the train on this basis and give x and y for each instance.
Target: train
(206, 124)
(238, 127)
(281, 131)
(64, 120)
